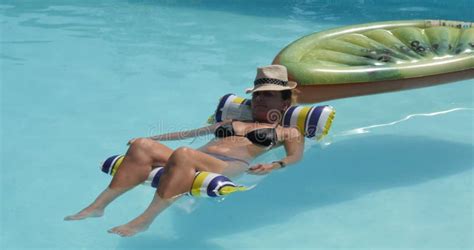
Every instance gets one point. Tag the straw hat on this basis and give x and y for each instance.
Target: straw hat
(271, 78)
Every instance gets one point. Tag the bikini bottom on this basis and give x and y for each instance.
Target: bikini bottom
(227, 158)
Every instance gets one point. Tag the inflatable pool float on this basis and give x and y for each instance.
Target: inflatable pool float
(205, 184)
(312, 122)
(379, 57)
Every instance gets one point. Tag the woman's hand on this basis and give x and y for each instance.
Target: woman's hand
(261, 169)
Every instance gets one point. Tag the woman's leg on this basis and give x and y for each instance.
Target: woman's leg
(142, 154)
(177, 179)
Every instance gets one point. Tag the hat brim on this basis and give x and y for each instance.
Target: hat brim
(271, 87)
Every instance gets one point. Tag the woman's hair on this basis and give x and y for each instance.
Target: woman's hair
(289, 94)
(286, 94)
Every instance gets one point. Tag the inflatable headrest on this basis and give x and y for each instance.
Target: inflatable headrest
(232, 107)
(312, 121)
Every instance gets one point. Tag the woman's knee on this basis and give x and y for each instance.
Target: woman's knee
(142, 144)
(181, 154)
(145, 148)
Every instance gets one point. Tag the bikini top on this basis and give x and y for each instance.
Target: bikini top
(266, 137)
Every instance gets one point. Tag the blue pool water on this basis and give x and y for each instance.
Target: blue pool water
(80, 78)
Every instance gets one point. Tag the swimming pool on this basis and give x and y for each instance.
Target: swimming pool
(78, 80)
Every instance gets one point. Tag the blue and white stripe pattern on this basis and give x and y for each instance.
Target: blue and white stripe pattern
(310, 121)
(232, 107)
(111, 164)
(205, 184)
(154, 177)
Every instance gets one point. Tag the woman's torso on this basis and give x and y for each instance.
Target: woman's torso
(240, 147)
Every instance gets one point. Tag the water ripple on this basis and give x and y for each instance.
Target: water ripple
(364, 130)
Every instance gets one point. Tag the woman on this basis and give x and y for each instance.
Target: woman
(236, 144)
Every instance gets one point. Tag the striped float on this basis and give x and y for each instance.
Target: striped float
(205, 184)
(310, 121)
(232, 107)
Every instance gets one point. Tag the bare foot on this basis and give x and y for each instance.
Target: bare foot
(88, 212)
(129, 229)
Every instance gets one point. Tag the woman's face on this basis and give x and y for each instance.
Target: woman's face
(268, 106)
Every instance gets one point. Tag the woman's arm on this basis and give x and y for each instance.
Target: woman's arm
(294, 147)
(186, 134)
(183, 134)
